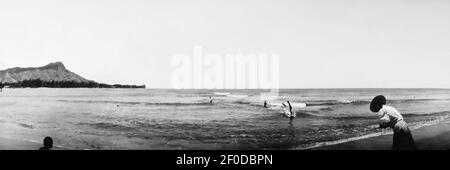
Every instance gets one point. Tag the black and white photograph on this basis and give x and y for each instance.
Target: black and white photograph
(225, 75)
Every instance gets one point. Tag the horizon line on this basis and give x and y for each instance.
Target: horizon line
(312, 88)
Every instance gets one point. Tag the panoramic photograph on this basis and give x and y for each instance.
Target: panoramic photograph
(224, 75)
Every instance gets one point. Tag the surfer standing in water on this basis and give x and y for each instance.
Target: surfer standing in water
(291, 116)
(390, 117)
(1, 87)
(289, 112)
(210, 100)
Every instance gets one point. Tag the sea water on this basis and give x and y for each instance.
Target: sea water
(185, 119)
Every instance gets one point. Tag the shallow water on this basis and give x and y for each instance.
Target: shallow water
(184, 119)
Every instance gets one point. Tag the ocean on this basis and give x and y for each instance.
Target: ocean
(185, 119)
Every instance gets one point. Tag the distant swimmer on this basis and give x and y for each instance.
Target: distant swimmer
(210, 100)
(265, 103)
(48, 144)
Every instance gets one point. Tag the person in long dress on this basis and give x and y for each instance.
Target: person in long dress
(390, 117)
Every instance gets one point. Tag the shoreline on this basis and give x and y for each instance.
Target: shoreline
(17, 144)
(432, 137)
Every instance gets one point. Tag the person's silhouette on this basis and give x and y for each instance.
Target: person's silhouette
(290, 111)
(48, 143)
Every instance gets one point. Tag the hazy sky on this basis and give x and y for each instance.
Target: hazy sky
(336, 43)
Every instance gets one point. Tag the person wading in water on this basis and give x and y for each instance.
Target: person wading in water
(289, 112)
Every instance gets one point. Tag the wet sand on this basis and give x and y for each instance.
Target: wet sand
(14, 144)
(434, 137)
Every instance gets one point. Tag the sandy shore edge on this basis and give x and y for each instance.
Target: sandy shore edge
(433, 137)
(16, 144)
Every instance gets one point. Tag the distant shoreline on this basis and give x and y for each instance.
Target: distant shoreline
(69, 88)
(37, 83)
(53, 75)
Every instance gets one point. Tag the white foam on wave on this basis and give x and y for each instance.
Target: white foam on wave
(221, 93)
(298, 105)
(328, 143)
(237, 95)
(294, 105)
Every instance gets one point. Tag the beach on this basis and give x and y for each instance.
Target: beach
(166, 119)
(433, 137)
(17, 144)
(13, 144)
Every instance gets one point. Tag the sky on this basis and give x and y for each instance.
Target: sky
(321, 44)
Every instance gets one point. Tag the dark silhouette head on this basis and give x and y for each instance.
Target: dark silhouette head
(377, 103)
(48, 143)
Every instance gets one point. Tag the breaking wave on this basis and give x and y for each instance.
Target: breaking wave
(362, 102)
(139, 103)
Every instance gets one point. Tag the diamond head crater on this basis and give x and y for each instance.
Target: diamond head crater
(53, 75)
